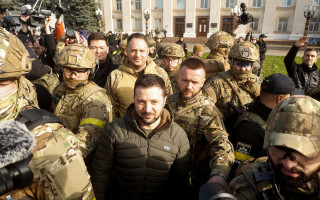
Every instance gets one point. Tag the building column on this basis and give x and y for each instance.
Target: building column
(269, 18)
(146, 4)
(126, 16)
(107, 12)
(215, 17)
(190, 31)
(298, 21)
(167, 13)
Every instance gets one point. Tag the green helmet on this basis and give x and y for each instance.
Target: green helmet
(76, 56)
(14, 57)
(123, 44)
(220, 38)
(295, 123)
(151, 42)
(174, 50)
(244, 51)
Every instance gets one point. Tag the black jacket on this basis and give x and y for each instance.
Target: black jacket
(262, 49)
(304, 77)
(100, 77)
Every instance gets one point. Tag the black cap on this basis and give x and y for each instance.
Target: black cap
(278, 84)
(262, 36)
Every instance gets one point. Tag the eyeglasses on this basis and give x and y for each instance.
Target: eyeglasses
(73, 70)
(246, 64)
(171, 59)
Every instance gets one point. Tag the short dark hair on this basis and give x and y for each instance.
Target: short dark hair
(310, 49)
(194, 64)
(97, 36)
(137, 35)
(150, 80)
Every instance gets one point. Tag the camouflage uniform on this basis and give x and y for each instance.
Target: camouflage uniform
(292, 124)
(85, 109)
(212, 153)
(217, 60)
(121, 81)
(118, 56)
(48, 81)
(57, 164)
(234, 86)
(173, 50)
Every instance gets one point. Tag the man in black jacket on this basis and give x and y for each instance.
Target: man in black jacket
(98, 43)
(305, 76)
(262, 50)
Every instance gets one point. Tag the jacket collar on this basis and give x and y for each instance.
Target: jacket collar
(125, 66)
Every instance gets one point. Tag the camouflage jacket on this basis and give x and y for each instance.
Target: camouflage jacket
(121, 81)
(173, 76)
(210, 148)
(85, 111)
(257, 179)
(224, 88)
(117, 58)
(57, 163)
(48, 81)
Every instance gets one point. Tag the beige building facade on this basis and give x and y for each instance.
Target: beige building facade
(278, 19)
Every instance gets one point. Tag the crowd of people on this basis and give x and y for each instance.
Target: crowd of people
(132, 117)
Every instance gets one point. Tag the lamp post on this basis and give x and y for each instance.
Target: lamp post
(146, 13)
(99, 14)
(308, 14)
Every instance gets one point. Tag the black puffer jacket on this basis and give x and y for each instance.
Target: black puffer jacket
(131, 165)
(304, 77)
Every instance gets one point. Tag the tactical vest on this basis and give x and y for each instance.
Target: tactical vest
(231, 92)
(252, 117)
(67, 104)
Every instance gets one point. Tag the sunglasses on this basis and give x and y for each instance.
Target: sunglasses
(246, 64)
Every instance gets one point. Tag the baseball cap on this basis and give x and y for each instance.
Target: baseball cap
(278, 84)
(262, 36)
(25, 9)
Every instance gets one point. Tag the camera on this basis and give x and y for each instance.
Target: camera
(38, 18)
(214, 191)
(71, 33)
(15, 176)
(245, 17)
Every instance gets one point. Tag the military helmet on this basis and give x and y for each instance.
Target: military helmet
(158, 36)
(123, 44)
(160, 48)
(220, 38)
(295, 123)
(151, 42)
(244, 51)
(76, 56)
(14, 57)
(173, 50)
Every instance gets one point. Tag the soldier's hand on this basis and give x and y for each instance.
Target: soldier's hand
(220, 180)
(82, 40)
(302, 42)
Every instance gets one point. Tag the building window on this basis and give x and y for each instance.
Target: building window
(204, 4)
(119, 24)
(158, 5)
(283, 24)
(256, 3)
(314, 25)
(229, 3)
(137, 24)
(157, 23)
(255, 24)
(316, 2)
(180, 4)
(286, 3)
(119, 4)
(138, 4)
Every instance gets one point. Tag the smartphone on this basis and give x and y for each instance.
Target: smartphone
(83, 33)
(312, 41)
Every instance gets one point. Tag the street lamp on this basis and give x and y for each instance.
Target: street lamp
(99, 14)
(308, 14)
(146, 13)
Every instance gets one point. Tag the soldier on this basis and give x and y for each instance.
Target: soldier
(158, 39)
(57, 164)
(183, 45)
(118, 57)
(232, 90)
(99, 45)
(292, 168)
(219, 43)
(120, 82)
(212, 153)
(198, 51)
(172, 59)
(152, 49)
(80, 104)
(145, 154)
(249, 130)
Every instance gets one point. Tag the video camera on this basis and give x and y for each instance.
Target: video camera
(71, 32)
(245, 17)
(11, 20)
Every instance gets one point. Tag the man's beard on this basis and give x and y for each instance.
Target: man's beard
(151, 122)
(187, 98)
(312, 177)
